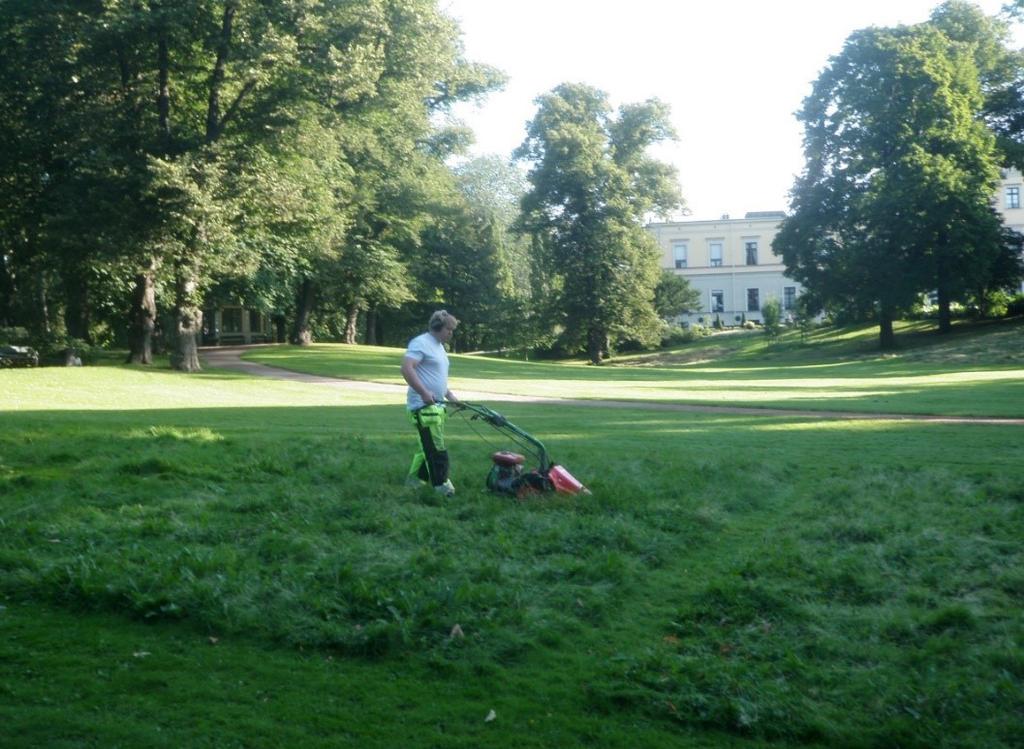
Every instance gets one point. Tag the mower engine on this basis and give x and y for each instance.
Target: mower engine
(508, 477)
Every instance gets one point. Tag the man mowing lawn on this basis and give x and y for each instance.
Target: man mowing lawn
(425, 369)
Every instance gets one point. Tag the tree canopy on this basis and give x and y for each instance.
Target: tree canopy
(281, 152)
(896, 196)
(592, 183)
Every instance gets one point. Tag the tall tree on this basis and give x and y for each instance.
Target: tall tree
(592, 184)
(390, 141)
(895, 198)
(135, 128)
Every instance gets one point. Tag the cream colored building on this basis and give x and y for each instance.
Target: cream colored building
(1010, 202)
(731, 263)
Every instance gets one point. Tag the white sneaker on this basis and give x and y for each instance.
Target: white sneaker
(446, 489)
(414, 482)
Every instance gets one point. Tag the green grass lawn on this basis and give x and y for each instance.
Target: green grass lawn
(980, 373)
(218, 561)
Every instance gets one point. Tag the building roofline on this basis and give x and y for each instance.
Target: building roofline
(774, 216)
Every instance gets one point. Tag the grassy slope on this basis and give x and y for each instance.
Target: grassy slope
(976, 372)
(732, 581)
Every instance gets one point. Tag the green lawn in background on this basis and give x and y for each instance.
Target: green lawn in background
(213, 560)
(975, 374)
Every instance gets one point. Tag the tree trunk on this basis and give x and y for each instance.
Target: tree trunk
(41, 318)
(143, 317)
(163, 101)
(301, 334)
(371, 327)
(983, 306)
(886, 335)
(188, 316)
(76, 305)
(7, 293)
(945, 318)
(351, 319)
(595, 345)
(213, 118)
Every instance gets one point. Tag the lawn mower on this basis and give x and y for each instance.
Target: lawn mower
(508, 475)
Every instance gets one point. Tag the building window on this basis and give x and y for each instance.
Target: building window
(1013, 196)
(679, 254)
(715, 251)
(788, 297)
(751, 247)
(231, 320)
(718, 301)
(753, 300)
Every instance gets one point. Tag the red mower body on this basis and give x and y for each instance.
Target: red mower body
(564, 482)
(508, 474)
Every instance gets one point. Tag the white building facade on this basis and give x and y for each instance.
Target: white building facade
(731, 263)
(1009, 202)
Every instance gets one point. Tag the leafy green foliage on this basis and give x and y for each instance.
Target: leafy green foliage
(895, 198)
(674, 296)
(592, 184)
(771, 318)
(1000, 67)
(287, 146)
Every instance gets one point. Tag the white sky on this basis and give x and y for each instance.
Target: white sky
(733, 71)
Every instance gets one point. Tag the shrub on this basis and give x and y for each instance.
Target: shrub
(13, 336)
(674, 335)
(771, 313)
(805, 316)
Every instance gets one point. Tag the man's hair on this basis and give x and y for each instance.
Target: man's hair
(442, 319)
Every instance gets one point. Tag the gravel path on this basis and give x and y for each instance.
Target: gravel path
(230, 357)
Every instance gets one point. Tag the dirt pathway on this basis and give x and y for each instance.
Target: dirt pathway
(230, 357)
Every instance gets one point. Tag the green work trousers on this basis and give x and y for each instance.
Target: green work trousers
(430, 463)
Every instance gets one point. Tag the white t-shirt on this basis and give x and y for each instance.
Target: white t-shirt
(431, 367)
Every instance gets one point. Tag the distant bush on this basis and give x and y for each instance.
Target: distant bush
(749, 325)
(771, 314)
(13, 336)
(674, 335)
(1014, 306)
(805, 318)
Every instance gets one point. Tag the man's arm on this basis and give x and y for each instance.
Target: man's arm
(413, 380)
